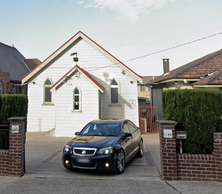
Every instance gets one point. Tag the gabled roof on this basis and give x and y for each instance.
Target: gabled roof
(11, 61)
(75, 68)
(32, 63)
(76, 37)
(195, 70)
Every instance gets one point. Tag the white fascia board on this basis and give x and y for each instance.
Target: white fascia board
(50, 58)
(207, 86)
(173, 80)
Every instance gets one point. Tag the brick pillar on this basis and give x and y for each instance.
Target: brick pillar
(168, 155)
(218, 155)
(17, 146)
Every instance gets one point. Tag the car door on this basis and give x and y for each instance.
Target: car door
(127, 141)
(135, 135)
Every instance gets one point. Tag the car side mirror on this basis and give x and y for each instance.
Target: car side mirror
(127, 135)
(76, 133)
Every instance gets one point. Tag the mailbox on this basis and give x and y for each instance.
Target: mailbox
(181, 135)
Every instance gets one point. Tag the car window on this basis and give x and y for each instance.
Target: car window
(86, 129)
(125, 128)
(131, 126)
(101, 129)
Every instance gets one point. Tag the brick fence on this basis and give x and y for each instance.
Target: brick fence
(189, 167)
(12, 161)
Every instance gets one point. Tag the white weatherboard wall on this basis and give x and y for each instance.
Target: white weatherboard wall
(68, 121)
(60, 114)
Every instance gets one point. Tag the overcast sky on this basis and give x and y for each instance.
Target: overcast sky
(128, 29)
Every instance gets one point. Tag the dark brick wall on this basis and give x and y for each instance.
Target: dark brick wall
(12, 85)
(196, 167)
(5, 78)
(12, 161)
(4, 156)
(189, 167)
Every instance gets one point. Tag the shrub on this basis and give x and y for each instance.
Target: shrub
(12, 105)
(198, 112)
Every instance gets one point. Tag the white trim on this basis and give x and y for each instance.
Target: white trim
(207, 86)
(80, 100)
(52, 92)
(173, 80)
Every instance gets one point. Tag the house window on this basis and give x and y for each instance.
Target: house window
(1, 88)
(76, 99)
(48, 93)
(114, 91)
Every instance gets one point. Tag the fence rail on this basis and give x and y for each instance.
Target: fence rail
(4, 136)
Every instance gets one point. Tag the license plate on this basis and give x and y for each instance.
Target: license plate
(83, 160)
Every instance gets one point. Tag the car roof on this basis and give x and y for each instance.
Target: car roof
(109, 120)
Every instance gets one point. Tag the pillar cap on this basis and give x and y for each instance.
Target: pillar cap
(167, 122)
(16, 118)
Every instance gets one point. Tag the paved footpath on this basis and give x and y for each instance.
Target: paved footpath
(45, 173)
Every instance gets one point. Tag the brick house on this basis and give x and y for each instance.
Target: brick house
(13, 66)
(205, 72)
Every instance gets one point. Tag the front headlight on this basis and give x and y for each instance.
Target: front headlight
(107, 150)
(68, 149)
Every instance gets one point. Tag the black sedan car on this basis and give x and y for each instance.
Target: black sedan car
(104, 145)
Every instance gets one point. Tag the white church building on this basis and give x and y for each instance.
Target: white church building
(78, 83)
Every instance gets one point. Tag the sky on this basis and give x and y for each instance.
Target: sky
(139, 33)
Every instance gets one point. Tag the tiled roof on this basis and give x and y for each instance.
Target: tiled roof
(213, 79)
(197, 69)
(32, 63)
(147, 79)
(11, 61)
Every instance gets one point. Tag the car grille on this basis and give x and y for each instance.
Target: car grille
(84, 151)
(84, 166)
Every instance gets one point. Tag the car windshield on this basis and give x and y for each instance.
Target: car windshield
(101, 129)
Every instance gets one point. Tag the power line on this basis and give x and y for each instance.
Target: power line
(170, 48)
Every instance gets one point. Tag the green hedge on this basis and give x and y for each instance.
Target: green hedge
(198, 112)
(12, 105)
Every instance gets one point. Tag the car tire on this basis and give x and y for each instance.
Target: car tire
(120, 162)
(141, 150)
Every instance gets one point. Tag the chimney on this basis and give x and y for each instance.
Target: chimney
(166, 66)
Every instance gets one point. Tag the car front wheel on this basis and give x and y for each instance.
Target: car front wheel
(141, 151)
(120, 162)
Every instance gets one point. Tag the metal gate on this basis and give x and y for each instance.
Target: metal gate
(148, 118)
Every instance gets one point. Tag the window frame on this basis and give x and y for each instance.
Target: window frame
(44, 92)
(79, 99)
(114, 86)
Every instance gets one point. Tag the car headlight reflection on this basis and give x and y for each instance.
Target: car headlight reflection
(105, 151)
(68, 149)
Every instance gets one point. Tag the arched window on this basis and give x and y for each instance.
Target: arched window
(114, 91)
(1, 88)
(76, 99)
(47, 92)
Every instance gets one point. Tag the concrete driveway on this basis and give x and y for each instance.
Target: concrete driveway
(44, 157)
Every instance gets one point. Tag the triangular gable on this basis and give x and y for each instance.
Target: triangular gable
(70, 42)
(100, 87)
